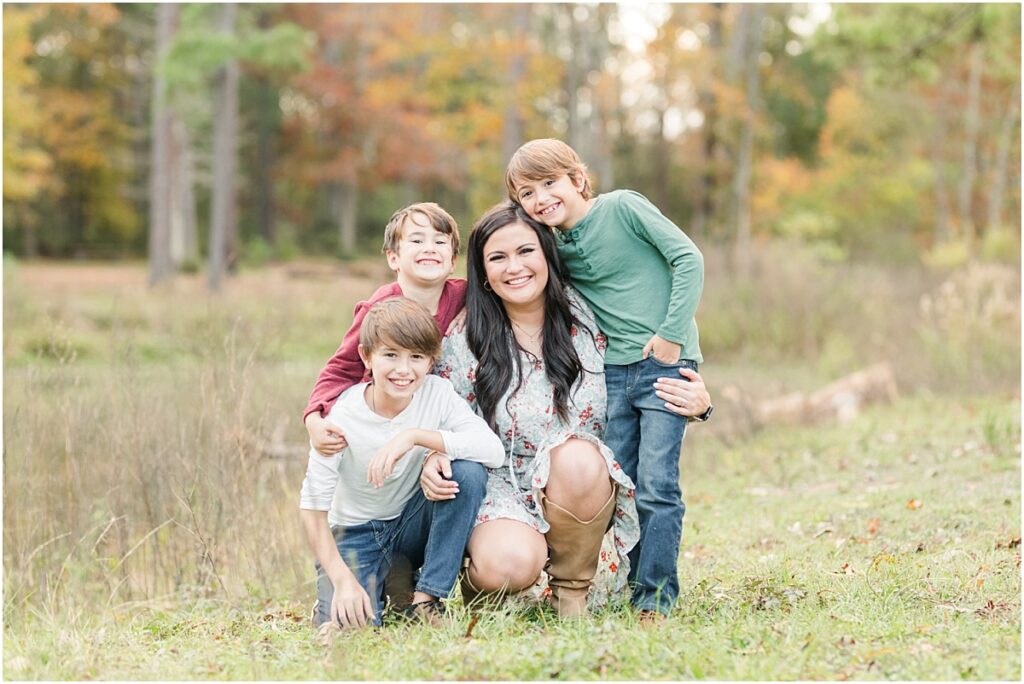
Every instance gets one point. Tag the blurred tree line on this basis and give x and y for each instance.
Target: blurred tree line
(251, 132)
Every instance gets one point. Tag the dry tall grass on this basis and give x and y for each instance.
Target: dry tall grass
(130, 415)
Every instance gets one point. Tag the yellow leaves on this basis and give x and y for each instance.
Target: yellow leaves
(26, 164)
(882, 558)
(914, 504)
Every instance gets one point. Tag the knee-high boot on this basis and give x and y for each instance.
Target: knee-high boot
(573, 549)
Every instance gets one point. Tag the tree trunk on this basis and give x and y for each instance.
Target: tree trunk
(160, 151)
(943, 210)
(751, 24)
(225, 148)
(604, 99)
(184, 237)
(970, 166)
(266, 158)
(572, 84)
(706, 182)
(513, 126)
(660, 161)
(994, 215)
(347, 206)
(31, 245)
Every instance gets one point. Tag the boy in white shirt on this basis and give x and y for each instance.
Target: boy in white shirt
(363, 507)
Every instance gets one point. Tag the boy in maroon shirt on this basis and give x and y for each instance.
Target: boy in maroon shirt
(421, 243)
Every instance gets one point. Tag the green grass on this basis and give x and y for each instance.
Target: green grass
(803, 558)
(146, 535)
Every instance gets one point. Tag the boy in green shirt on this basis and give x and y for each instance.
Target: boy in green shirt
(643, 278)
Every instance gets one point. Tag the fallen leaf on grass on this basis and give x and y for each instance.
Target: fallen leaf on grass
(979, 577)
(873, 525)
(472, 623)
(1009, 544)
(914, 504)
(991, 609)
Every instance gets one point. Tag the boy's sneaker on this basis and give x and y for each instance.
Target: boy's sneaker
(327, 633)
(429, 612)
(651, 618)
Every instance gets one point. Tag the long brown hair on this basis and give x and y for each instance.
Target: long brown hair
(489, 330)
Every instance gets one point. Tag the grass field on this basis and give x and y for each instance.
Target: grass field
(145, 537)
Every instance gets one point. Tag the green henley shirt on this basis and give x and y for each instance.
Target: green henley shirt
(639, 273)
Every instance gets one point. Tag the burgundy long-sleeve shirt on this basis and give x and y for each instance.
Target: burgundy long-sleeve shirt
(345, 368)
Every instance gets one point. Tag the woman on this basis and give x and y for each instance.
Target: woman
(530, 361)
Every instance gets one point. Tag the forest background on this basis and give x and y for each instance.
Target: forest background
(193, 200)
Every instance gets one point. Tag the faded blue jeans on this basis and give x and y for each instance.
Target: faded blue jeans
(432, 535)
(646, 439)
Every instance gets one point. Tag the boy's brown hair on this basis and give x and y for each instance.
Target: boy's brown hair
(440, 219)
(545, 158)
(400, 322)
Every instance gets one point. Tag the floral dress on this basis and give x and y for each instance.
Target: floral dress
(530, 428)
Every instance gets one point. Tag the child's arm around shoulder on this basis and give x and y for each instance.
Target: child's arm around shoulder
(343, 370)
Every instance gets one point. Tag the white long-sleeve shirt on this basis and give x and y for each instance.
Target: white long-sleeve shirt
(337, 484)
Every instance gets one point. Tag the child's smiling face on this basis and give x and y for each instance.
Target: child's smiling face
(556, 201)
(424, 255)
(397, 373)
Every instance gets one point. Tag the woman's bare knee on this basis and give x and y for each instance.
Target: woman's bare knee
(579, 479)
(505, 554)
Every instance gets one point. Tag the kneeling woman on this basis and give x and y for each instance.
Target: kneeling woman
(530, 360)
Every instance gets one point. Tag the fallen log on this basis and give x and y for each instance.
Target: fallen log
(841, 400)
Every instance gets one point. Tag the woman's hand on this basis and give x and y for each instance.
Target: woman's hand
(681, 397)
(325, 436)
(383, 462)
(435, 478)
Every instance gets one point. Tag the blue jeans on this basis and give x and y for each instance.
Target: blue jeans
(646, 439)
(432, 535)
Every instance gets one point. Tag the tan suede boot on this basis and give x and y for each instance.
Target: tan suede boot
(573, 549)
(470, 594)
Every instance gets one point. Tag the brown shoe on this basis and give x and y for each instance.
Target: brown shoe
(573, 549)
(651, 618)
(428, 612)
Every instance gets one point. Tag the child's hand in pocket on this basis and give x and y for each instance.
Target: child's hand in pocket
(383, 462)
(662, 349)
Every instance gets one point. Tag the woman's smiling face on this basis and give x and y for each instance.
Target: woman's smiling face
(515, 265)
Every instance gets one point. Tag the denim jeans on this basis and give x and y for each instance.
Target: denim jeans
(432, 535)
(646, 439)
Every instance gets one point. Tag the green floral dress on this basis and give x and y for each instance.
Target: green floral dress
(530, 429)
